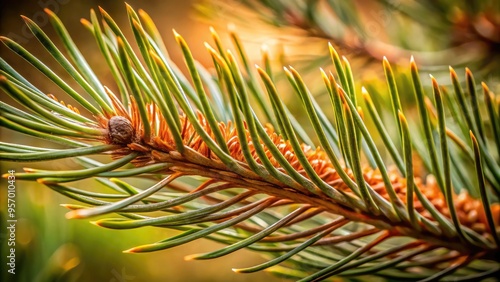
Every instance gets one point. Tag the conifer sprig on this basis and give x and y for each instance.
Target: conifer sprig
(223, 173)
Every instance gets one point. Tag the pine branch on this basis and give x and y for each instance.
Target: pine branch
(223, 173)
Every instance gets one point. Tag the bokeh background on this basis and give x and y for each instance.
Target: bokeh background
(50, 247)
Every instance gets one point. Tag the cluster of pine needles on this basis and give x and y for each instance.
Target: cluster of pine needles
(230, 163)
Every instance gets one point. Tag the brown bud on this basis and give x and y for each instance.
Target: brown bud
(120, 130)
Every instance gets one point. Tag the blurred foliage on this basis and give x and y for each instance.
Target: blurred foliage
(437, 33)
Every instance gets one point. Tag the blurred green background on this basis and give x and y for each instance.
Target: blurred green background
(48, 246)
